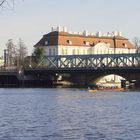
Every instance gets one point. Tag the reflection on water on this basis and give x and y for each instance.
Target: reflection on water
(59, 114)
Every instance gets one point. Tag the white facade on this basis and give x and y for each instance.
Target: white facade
(100, 48)
(50, 50)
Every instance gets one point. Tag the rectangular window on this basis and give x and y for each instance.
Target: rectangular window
(50, 52)
(84, 52)
(63, 52)
(73, 51)
(46, 42)
(77, 51)
(53, 51)
(66, 51)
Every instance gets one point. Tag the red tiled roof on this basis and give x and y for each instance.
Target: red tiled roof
(63, 38)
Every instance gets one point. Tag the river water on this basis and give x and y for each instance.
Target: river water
(68, 114)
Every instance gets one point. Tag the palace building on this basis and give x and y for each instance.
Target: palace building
(60, 41)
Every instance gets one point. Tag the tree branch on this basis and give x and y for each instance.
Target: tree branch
(1, 3)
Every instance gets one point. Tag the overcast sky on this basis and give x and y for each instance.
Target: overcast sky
(32, 18)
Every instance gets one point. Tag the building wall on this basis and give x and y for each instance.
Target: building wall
(1, 62)
(100, 48)
(73, 50)
(50, 50)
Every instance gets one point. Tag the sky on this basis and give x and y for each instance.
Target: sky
(31, 19)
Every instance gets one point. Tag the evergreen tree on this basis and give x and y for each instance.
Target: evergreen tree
(38, 55)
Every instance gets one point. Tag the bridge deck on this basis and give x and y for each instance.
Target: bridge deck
(86, 61)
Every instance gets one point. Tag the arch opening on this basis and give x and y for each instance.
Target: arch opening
(111, 80)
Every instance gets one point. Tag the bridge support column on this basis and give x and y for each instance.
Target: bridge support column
(77, 79)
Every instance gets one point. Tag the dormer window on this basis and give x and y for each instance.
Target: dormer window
(46, 42)
(124, 45)
(93, 44)
(86, 43)
(69, 42)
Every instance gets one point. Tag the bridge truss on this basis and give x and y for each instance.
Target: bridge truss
(90, 61)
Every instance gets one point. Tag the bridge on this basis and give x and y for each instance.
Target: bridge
(77, 69)
(91, 61)
(89, 67)
(77, 62)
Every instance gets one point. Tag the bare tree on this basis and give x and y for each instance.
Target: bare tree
(22, 52)
(7, 2)
(14, 55)
(2, 2)
(136, 42)
(10, 54)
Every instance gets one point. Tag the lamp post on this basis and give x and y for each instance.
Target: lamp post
(114, 40)
(5, 58)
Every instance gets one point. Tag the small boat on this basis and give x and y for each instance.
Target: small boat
(106, 90)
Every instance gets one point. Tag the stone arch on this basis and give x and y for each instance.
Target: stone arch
(92, 79)
(102, 76)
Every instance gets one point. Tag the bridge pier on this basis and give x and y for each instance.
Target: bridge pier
(20, 80)
(77, 80)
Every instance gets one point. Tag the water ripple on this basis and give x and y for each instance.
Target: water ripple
(68, 114)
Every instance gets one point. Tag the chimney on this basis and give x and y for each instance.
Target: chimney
(65, 29)
(59, 28)
(120, 34)
(99, 34)
(85, 33)
(52, 29)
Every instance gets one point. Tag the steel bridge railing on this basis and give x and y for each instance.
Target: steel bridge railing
(90, 61)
